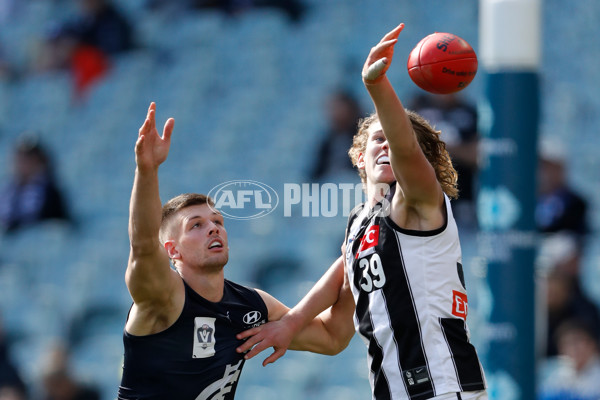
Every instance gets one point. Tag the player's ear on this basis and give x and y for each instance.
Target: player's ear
(172, 250)
(360, 163)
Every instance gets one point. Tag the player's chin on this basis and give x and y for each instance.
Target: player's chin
(385, 175)
(217, 260)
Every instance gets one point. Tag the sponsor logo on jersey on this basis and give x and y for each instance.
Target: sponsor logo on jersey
(416, 376)
(204, 337)
(252, 317)
(459, 304)
(369, 240)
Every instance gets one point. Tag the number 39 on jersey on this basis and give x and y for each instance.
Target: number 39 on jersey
(373, 276)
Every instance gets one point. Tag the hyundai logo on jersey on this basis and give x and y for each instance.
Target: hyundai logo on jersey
(252, 317)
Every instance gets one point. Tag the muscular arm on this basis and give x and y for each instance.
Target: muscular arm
(149, 278)
(321, 322)
(331, 331)
(411, 168)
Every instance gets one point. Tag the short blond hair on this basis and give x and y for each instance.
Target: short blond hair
(429, 140)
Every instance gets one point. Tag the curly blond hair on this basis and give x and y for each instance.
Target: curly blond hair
(429, 141)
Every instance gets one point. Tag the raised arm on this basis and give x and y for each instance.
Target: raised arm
(321, 322)
(149, 277)
(413, 172)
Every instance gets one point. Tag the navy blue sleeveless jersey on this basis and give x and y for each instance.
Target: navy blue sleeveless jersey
(195, 358)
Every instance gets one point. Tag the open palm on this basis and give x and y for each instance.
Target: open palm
(151, 149)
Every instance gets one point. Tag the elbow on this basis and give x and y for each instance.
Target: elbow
(336, 346)
(140, 249)
(341, 345)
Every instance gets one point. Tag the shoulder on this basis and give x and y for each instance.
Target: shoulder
(148, 317)
(355, 213)
(421, 216)
(245, 295)
(275, 308)
(241, 290)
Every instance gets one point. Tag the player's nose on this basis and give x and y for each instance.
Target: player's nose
(213, 229)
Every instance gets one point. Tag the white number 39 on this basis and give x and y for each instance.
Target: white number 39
(373, 275)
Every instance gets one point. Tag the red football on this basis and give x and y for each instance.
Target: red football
(442, 63)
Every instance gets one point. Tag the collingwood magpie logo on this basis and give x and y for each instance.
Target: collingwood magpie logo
(204, 337)
(252, 317)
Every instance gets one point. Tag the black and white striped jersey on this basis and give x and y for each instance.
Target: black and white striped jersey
(411, 306)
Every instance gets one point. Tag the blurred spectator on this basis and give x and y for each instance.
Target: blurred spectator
(85, 44)
(566, 300)
(457, 120)
(102, 26)
(10, 393)
(561, 216)
(62, 50)
(12, 386)
(559, 207)
(575, 374)
(343, 113)
(293, 8)
(33, 194)
(58, 382)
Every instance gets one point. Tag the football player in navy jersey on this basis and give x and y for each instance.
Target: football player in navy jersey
(402, 258)
(180, 335)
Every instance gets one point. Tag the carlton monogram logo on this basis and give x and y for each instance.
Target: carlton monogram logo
(219, 389)
(252, 317)
(204, 337)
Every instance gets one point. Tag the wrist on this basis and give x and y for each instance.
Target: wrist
(144, 171)
(294, 320)
(373, 82)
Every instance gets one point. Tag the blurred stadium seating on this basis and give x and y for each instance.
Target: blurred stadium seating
(246, 93)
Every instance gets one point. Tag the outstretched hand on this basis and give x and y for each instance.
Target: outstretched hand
(151, 150)
(276, 334)
(380, 57)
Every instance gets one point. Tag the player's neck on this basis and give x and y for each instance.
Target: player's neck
(376, 191)
(209, 285)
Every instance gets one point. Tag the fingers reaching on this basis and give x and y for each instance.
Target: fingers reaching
(168, 129)
(253, 338)
(256, 349)
(277, 354)
(257, 341)
(145, 128)
(151, 108)
(151, 149)
(249, 332)
(394, 33)
(152, 115)
(380, 57)
(381, 47)
(375, 69)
